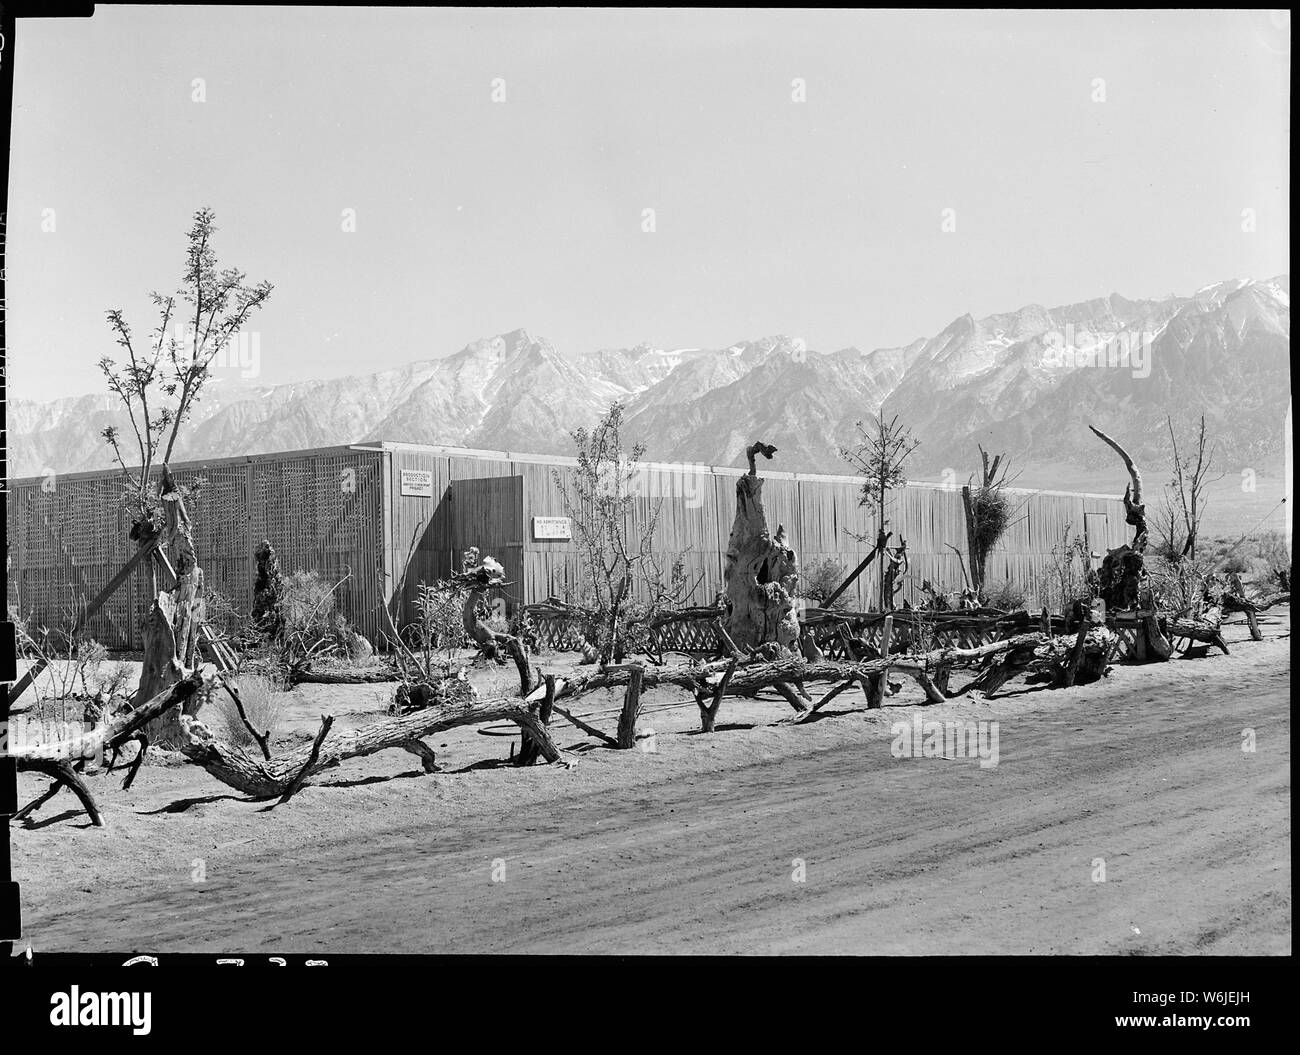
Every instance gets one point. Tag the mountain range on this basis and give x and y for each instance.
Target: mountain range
(1026, 382)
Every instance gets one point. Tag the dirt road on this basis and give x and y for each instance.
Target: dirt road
(1143, 776)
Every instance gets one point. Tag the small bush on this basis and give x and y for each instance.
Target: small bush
(1271, 548)
(77, 669)
(1235, 564)
(114, 680)
(221, 611)
(818, 579)
(1006, 596)
(311, 627)
(1064, 578)
(1177, 585)
(439, 625)
(263, 699)
(307, 604)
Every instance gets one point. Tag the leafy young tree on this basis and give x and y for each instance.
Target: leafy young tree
(158, 385)
(623, 585)
(878, 456)
(818, 580)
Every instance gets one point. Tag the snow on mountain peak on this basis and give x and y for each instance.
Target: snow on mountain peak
(984, 378)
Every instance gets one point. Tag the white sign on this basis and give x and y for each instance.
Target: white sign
(551, 527)
(417, 483)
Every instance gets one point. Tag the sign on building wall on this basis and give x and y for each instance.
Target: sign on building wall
(552, 527)
(417, 483)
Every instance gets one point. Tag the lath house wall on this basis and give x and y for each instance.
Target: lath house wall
(341, 511)
(322, 510)
(821, 515)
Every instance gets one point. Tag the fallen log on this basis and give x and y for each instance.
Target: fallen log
(62, 760)
(1234, 599)
(590, 730)
(260, 778)
(344, 677)
(326, 723)
(757, 673)
(793, 697)
(62, 774)
(709, 711)
(1024, 653)
(117, 731)
(1064, 661)
(1205, 629)
(529, 751)
(1254, 605)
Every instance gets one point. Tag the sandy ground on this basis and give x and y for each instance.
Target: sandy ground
(760, 838)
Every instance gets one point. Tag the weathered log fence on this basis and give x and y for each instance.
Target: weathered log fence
(1143, 634)
(852, 649)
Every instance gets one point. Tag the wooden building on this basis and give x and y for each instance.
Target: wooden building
(390, 515)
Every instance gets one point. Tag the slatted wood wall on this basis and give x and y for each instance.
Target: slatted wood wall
(320, 509)
(341, 511)
(696, 504)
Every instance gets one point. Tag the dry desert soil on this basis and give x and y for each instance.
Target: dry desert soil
(759, 838)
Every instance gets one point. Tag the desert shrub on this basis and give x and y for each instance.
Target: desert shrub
(307, 604)
(439, 625)
(915, 638)
(78, 670)
(311, 627)
(818, 579)
(113, 680)
(1065, 579)
(1235, 564)
(1178, 584)
(1271, 549)
(1006, 596)
(940, 597)
(263, 699)
(220, 611)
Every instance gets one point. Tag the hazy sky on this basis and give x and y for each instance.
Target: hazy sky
(819, 219)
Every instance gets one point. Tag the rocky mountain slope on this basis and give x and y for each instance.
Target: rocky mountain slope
(1027, 382)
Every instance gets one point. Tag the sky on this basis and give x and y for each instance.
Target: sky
(499, 165)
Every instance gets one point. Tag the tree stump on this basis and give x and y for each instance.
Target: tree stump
(1123, 576)
(761, 571)
(171, 627)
